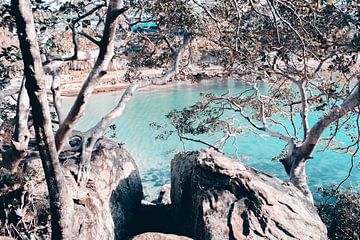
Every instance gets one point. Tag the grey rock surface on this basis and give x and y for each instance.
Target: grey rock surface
(107, 206)
(215, 197)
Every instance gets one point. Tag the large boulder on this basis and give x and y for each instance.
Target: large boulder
(215, 197)
(105, 208)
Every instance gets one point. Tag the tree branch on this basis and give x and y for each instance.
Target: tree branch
(338, 112)
(304, 108)
(105, 55)
(56, 93)
(90, 137)
(17, 152)
(90, 38)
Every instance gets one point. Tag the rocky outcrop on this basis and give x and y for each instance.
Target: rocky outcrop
(215, 197)
(106, 207)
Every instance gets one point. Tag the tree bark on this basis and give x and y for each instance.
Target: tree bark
(60, 202)
(295, 162)
(55, 89)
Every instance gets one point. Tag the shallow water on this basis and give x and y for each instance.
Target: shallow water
(153, 156)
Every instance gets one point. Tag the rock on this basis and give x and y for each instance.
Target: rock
(164, 195)
(106, 207)
(215, 197)
(159, 236)
(6, 238)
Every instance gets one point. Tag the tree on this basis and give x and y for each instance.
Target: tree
(287, 44)
(308, 58)
(50, 143)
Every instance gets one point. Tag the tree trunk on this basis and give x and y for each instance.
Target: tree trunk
(60, 203)
(297, 156)
(14, 155)
(298, 177)
(294, 164)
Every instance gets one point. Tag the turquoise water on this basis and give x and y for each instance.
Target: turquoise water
(153, 156)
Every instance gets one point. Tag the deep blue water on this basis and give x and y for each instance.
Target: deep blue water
(153, 156)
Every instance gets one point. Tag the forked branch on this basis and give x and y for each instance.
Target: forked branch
(90, 137)
(99, 70)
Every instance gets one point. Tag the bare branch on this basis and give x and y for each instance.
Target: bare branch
(200, 141)
(56, 93)
(14, 155)
(90, 38)
(304, 108)
(105, 55)
(90, 137)
(338, 112)
(74, 36)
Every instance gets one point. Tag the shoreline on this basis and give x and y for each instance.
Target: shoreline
(105, 88)
(71, 87)
(72, 92)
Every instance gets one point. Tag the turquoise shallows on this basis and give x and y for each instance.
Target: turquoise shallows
(153, 156)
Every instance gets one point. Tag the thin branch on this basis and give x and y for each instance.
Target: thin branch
(353, 155)
(72, 26)
(201, 141)
(90, 38)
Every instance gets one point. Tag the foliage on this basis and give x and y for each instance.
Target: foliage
(341, 213)
(9, 56)
(6, 19)
(24, 210)
(200, 118)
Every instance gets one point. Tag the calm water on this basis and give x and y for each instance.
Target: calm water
(153, 156)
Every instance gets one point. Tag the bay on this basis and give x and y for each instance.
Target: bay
(153, 156)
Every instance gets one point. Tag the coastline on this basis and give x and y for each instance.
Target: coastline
(71, 92)
(103, 88)
(72, 89)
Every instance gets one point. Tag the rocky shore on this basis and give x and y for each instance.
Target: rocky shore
(210, 197)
